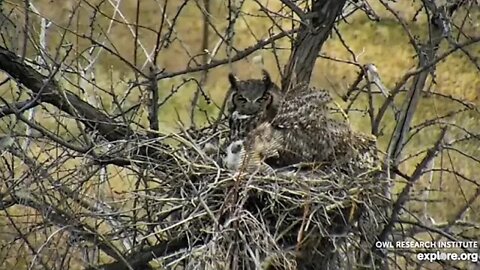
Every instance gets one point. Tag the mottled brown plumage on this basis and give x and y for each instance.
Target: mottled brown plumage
(252, 102)
(303, 132)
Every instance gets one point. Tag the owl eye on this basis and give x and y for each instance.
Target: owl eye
(264, 98)
(241, 99)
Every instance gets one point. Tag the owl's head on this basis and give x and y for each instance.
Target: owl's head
(252, 96)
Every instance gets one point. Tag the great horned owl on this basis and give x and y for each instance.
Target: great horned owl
(249, 154)
(303, 133)
(251, 103)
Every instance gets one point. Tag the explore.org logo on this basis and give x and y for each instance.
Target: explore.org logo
(451, 250)
(447, 256)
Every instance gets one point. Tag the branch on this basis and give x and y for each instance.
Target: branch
(295, 9)
(50, 92)
(18, 107)
(309, 41)
(154, 97)
(63, 219)
(403, 197)
(426, 55)
(140, 259)
(239, 56)
(66, 101)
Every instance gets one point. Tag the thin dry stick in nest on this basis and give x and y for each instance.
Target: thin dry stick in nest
(306, 213)
(237, 178)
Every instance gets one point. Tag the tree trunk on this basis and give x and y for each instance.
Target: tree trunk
(315, 29)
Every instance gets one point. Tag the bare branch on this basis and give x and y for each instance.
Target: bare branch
(309, 41)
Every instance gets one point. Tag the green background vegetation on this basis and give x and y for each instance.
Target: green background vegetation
(382, 43)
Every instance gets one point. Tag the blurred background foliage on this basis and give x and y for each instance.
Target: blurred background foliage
(382, 43)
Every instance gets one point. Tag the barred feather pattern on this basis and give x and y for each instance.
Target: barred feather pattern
(302, 132)
(241, 124)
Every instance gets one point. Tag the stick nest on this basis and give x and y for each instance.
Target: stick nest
(319, 218)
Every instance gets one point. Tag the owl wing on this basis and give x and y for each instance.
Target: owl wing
(269, 134)
(302, 111)
(309, 135)
(303, 89)
(302, 132)
(262, 143)
(365, 151)
(301, 125)
(249, 154)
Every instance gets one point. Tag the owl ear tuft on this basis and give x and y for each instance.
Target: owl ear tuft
(266, 79)
(233, 80)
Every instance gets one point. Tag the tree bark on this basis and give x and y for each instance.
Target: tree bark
(50, 92)
(316, 27)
